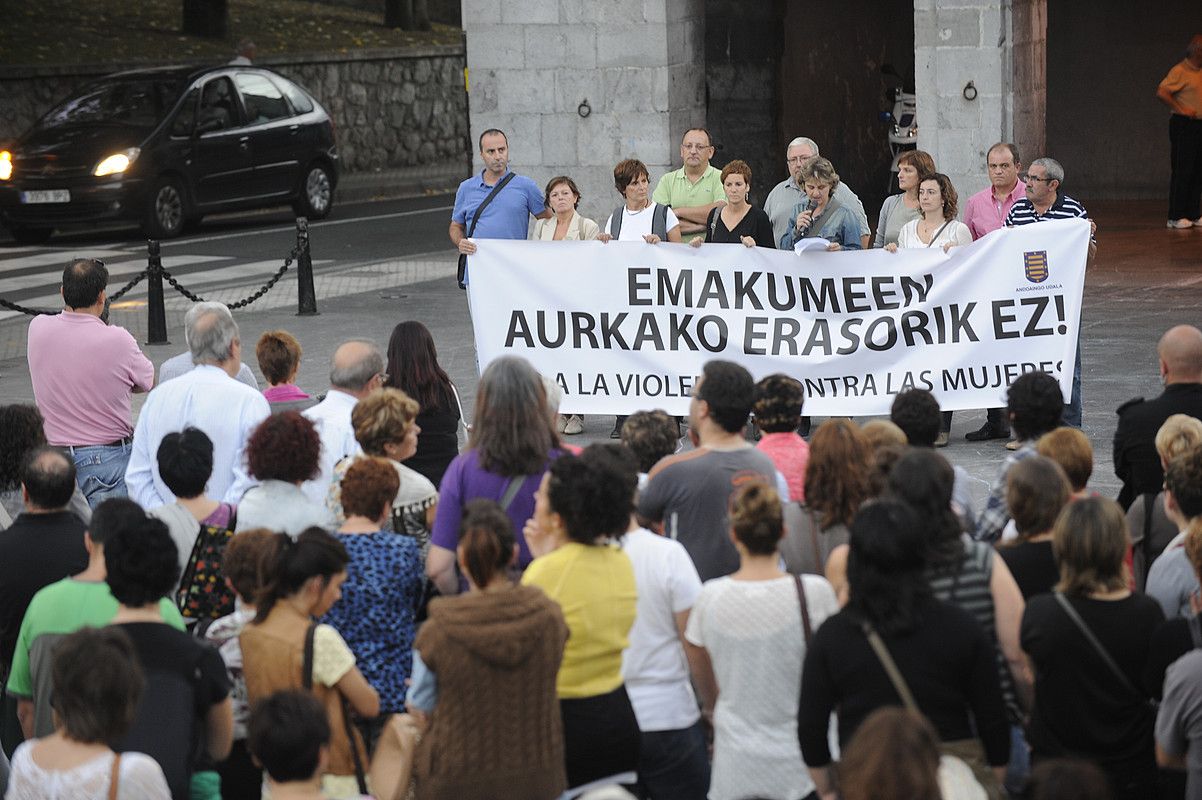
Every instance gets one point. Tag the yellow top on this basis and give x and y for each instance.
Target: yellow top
(595, 588)
(1184, 82)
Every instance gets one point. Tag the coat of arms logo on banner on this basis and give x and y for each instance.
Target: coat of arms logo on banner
(1035, 264)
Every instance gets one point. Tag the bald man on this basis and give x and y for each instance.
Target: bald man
(356, 370)
(1136, 462)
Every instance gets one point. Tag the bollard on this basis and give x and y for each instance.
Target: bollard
(306, 297)
(156, 311)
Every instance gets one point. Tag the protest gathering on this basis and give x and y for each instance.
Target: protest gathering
(763, 580)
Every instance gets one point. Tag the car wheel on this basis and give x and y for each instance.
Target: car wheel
(31, 235)
(166, 210)
(316, 196)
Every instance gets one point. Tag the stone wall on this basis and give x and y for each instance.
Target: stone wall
(391, 108)
(639, 64)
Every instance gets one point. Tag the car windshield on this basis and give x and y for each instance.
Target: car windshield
(133, 103)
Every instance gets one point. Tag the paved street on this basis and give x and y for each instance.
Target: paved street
(1146, 280)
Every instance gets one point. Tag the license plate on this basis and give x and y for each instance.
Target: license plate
(47, 196)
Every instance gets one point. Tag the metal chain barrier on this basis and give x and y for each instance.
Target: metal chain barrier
(117, 295)
(195, 298)
(36, 312)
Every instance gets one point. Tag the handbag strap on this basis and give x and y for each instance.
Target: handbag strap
(895, 676)
(307, 682)
(480, 208)
(935, 238)
(511, 491)
(805, 610)
(819, 563)
(307, 662)
(115, 776)
(1097, 645)
(459, 405)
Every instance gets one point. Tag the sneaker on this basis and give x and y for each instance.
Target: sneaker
(1198, 222)
(1181, 223)
(985, 433)
(1013, 444)
(561, 423)
(941, 439)
(575, 425)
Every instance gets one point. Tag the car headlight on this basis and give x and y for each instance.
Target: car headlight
(117, 162)
(6, 165)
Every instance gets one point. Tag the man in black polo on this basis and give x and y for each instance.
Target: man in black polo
(1136, 461)
(1045, 201)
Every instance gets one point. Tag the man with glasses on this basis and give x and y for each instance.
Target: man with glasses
(1045, 201)
(356, 370)
(83, 373)
(694, 190)
(985, 213)
(785, 196)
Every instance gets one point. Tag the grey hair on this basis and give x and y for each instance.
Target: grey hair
(1051, 166)
(357, 375)
(799, 141)
(210, 331)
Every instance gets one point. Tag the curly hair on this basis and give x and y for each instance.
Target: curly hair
(947, 192)
(141, 562)
(285, 447)
(369, 487)
(21, 430)
(916, 412)
(736, 167)
(650, 435)
(756, 517)
(778, 403)
(1035, 404)
(383, 416)
(592, 494)
(279, 355)
(820, 170)
(838, 475)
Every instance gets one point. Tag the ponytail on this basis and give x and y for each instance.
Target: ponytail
(289, 563)
(486, 537)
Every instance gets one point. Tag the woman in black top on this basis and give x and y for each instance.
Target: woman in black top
(413, 368)
(738, 221)
(941, 652)
(1036, 490)
(1082, 707)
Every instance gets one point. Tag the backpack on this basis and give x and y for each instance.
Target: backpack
(659, 221)
(203, 592)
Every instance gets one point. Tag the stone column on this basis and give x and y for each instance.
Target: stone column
(999, 46)
(533, 64)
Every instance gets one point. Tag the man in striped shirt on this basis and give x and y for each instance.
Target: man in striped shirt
(1045, 201)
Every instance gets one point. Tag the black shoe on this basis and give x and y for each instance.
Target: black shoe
(985, 433)
(616, 433)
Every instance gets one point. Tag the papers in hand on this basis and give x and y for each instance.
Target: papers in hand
(816, 243)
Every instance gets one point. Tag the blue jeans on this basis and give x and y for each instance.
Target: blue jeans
(673, 764)
(1072, 412)
(1019, 768)
(100, 471)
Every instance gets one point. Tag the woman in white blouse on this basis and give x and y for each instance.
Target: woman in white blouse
(938, 226)
(563, 198)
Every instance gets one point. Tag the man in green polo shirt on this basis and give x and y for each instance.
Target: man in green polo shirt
(696, 188)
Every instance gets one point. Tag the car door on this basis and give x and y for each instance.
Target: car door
(272, 130)
(223, 167)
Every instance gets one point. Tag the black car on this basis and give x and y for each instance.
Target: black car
(166, 146)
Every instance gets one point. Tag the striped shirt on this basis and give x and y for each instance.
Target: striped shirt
(1065, 207)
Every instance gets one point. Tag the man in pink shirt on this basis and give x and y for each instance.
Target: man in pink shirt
(986, 212)
(83, 372)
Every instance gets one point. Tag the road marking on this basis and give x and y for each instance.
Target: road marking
(312, 225)
(115, 278)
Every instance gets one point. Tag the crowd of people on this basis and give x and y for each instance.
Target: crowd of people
(280, 593)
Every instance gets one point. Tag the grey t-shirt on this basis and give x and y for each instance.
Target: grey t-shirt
(1171, 580)
(689, 493)
(1179, 721)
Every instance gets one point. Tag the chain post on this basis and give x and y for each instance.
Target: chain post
(156, 310)
(306, 295)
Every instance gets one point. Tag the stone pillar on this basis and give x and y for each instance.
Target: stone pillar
(998, 45)
(639, 64)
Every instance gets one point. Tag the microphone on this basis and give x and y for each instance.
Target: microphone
(803, 229)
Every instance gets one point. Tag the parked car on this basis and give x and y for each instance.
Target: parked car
(166, 146)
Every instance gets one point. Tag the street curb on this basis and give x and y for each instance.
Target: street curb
(398, 184)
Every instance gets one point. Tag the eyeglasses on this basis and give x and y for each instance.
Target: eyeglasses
(797, 159)
(1027, 178)
(691, 147)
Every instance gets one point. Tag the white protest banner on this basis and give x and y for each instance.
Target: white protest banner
(625, 326)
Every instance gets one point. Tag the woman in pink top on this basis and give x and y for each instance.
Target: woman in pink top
(279, 353)
(777, 409)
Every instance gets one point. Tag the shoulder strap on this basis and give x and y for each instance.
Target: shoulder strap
(115, 776)
(615, 222)
(307, 664)
(1146, 543)
(356, 756)
(805, 610)
(511, 491)
(480, 209)
(936, 236)
(713, 221)
(659, 221)
(895, 676)
(1097, 646)
(832, 205)
(819, 563)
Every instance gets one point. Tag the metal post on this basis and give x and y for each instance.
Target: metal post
(306, 296)
(156, 311)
